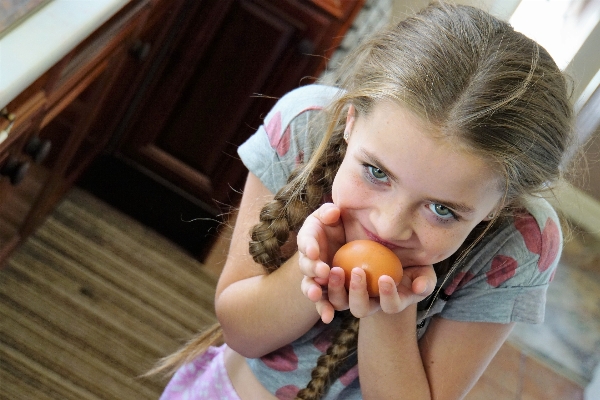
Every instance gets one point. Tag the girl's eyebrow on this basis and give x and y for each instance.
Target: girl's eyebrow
(460, 207)
(372, 159)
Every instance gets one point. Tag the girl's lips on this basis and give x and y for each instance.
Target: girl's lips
(379, 240)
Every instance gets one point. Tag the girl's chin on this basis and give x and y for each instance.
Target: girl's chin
(415, 262)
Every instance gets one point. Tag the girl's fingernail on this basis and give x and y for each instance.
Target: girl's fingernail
(334, 278)
(385, 286)
(356, 278)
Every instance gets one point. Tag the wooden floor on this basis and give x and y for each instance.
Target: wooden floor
(91, 301)
(93, 298)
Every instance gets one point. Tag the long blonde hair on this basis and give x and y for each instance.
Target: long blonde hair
(484, 85)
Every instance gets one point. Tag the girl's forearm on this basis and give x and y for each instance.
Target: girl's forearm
(389, 360)
(263, 313)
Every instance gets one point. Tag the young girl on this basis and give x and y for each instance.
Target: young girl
(435, 142)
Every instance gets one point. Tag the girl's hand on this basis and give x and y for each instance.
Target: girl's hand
(321, 235)
(417, 283)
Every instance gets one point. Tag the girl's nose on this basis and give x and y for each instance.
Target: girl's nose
(393, 223)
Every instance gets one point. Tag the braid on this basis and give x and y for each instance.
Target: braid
(293, 203)
(329, 364)
(290, 207)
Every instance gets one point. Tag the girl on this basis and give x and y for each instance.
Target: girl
(435, 142)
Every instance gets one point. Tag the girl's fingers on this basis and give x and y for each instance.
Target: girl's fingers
(314, 269)
(423, 280)
(315, 294)
(423, 286)
(358, 297)
(417, 283)
(311, 289)
(336, 291)
(389, 298)
(326, 311)
(308, 244)
(328, 214)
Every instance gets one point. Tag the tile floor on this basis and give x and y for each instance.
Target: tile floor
(570, 337)
(516, 374)
(558, 359)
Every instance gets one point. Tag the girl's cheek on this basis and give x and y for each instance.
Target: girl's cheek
(347, 189)
(353, 196)
(441, 246)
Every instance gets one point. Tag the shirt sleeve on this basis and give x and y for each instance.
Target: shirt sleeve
(284, 139)
(506, 281)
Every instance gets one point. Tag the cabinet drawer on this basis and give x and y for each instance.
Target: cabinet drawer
(20, 114)
(100, 45)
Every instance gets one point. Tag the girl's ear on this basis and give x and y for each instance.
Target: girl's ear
(349, 122)
(492, 214)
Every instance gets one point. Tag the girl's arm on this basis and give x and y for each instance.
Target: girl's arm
(444, 364)
(259, 312)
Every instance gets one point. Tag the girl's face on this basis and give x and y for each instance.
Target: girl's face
(418, 195)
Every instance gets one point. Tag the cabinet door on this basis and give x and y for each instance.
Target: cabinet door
(21, 180)
(51, 141)
(209, 97)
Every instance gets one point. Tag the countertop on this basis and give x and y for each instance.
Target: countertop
(40, 41)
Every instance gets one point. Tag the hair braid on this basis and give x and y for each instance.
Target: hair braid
(292, 204)
(329, 364)
(303, 194)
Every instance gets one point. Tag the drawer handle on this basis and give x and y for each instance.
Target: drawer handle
(14, 169)
(140, 50)
(38, 149)
(11, 121)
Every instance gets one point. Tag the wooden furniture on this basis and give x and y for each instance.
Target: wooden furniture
(168, 85)
(47, 140)
(206, 96)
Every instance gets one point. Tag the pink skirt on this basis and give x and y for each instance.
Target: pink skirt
(203, 378)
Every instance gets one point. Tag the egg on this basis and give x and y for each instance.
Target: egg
(374, 258)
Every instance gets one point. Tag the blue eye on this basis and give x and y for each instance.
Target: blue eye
(377, 173)
(442, 211)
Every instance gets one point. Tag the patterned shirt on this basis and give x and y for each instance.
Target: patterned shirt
(503, 279)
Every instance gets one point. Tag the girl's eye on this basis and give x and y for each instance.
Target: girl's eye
(377, 173)
(442, 211)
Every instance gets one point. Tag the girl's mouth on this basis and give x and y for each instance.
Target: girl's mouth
(379, 240)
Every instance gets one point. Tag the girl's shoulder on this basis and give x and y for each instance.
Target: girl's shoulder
(505, 277)
(314, 94)
(539, 229)
(287, 122)
(522, 253)
(284, 140)
(300, 100)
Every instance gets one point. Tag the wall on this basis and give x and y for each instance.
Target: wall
(500, 8)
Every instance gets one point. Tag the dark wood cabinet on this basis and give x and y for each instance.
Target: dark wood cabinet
(215, 79)
(170, 86)
(48, 141)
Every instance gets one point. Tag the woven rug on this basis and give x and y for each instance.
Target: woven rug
(91, 301)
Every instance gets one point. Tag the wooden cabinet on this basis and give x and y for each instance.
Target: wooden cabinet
(217, 76)
(48, 140)
(171, 86)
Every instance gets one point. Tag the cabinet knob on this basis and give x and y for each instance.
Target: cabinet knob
(14, 169)
(140, 50)
(306, 47)
(10, 117)
(38, 149)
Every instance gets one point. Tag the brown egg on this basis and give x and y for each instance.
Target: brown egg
(374, 258)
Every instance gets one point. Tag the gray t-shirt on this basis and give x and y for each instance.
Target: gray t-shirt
(503, 279)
